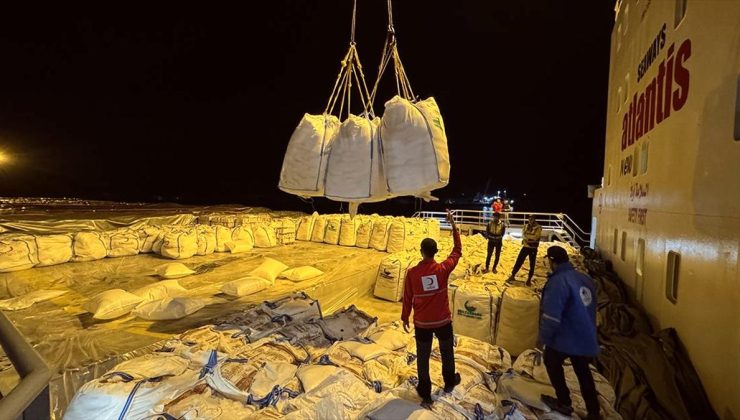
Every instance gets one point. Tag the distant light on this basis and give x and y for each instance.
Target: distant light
(4, 158)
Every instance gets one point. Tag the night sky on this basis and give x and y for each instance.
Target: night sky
(197, 104)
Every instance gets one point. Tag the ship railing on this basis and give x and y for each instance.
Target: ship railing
(560, 225)
(30, 397)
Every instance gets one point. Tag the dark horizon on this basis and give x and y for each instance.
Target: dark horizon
(197, 106)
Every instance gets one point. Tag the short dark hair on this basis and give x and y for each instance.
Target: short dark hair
(557, 254)
(429, 247)
(497, 214)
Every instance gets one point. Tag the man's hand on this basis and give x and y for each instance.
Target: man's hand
(406, 326)
(450, 218)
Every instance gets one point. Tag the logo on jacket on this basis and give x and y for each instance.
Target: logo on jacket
(586, 296)
(429, 283)
(470, 311)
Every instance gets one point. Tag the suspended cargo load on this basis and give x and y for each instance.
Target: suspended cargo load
(355, 169)
(415, 155)
(304, 165)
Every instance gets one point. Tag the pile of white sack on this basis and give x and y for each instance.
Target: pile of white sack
(166, 299)
(382, 233)
(284, 359)
(226, 233)
(364, 159)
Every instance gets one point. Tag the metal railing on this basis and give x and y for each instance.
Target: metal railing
(30, 397)
(559, 224)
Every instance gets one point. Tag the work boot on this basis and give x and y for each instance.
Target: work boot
(555, 405)
(450, 388)
(485, 270)
(426, 401)
(511, 279)
(495, 271)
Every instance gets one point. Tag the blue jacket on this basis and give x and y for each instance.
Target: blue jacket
(568, 313)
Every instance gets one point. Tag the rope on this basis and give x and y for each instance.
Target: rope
(354, 19)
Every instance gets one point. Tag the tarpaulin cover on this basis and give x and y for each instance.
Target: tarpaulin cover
(73, 343)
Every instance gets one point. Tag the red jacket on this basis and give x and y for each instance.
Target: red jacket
(426, 289)
(497, 207)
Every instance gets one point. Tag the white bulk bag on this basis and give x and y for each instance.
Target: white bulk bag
(223, 235)
(243, 233)
(348, 231)
(305, 161)
(474, 310)
(519, 320)
(379, 236)
(415, 155)
(284, 230)
(90, 246)
(134, 396)
(331, 234)
(147, 236)
(391, 276)
(433, 229)
(206, 240)
(305, 227)
(404, 234)
(364, 231)
(319, 229)
(354, 171)
(264, 236)
(179, 244)
(123, 243)
(53, 249)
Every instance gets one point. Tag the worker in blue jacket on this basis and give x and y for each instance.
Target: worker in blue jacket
(568, 331)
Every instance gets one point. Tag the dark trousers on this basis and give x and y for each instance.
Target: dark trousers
(424, 338)
(554, 365)
(524, 253)
(491, 246)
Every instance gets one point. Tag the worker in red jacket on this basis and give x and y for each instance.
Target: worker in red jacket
(425, 290)
(498, 206)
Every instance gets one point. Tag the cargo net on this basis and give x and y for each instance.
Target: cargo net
(285, 359)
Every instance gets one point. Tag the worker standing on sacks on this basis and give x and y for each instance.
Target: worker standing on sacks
(531, 234)
(495, 233)
(425, 290)
(568, 331)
